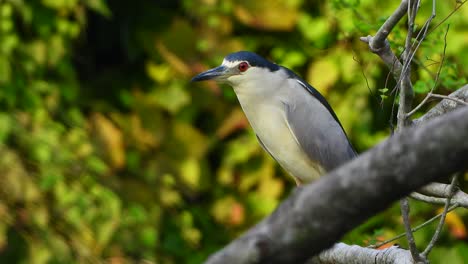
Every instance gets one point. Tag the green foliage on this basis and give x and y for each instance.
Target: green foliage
(109, 153)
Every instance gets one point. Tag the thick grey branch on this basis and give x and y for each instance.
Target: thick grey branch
(341, 253)
(381, 36)
(386, 55)
(379, 44)
(317, 215)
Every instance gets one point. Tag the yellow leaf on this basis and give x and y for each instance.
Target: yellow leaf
(192, 235)
(271, 15)
(236, 120)
(455, 224)
(111, 138)
(322, 74)
(190, 172)
(228, 211)
(225, 175)
(169, 197)
(145, 139)
(160, 73)
(191, 139)
(177, 63)
(221, 209)
(262, 176)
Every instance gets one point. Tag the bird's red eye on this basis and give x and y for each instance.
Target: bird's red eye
(243, 66)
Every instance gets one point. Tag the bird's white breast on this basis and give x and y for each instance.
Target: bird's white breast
(265, 111)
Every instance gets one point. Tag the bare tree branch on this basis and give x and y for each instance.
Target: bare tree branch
(405, 103)
(413, 229)
(380, 45)
(436, 235)
(460, 198)
(445, 105)
(341, 253)
(317, 215)
(405, 211)
(429, 95)
(449, 98)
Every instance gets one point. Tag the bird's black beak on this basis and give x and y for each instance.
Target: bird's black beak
(213, 74)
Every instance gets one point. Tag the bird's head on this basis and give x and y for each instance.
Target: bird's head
(240, 68)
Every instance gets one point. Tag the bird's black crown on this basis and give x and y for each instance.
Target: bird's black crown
(253, 59)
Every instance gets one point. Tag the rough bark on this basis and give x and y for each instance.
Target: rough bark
(317, 215)
(342, 253)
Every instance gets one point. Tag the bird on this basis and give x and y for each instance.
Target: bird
(293, 122)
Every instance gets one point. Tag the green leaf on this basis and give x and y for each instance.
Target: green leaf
(5, 70)
(171, 98)
(421, 87)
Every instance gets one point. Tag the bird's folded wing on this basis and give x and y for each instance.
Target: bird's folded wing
(318, 132)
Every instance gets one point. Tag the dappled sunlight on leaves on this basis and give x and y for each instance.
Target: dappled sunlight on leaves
(110, 154)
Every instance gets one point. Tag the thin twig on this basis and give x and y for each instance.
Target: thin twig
(453, 207)
(406, 90)
(449, 98)
(448, 16)
(433, 95)
(444, 106)
(437, 193)
(437, 189)
(406, 96)
(436, 235)
(429, 95)
(423, 102)
(427, 199)
(413, 48)
(405, 209)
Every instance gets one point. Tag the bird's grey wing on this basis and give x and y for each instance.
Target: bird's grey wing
(317, 130)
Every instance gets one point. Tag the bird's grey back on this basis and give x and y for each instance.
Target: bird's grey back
(316, 126)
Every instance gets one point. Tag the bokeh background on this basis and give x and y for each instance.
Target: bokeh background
(108, 154)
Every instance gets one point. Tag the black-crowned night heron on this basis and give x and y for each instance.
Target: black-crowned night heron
(292, 120)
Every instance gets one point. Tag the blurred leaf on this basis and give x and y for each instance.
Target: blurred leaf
(99, 6)
(5, 126)
(172, 98)
(111, 139)
(228, 211)
(195, 142)
(270, 15)
(240, 150)
(190, 173)
(144, 138)
(108, 152)
(176, 63)
(445, 255)
(148, 235)
(159, 73)
(455, 224)
(5, 70)
(323, 74)
(169, 198)
(234, 121)
(421, 87)
(192, 235)
(320, 26)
